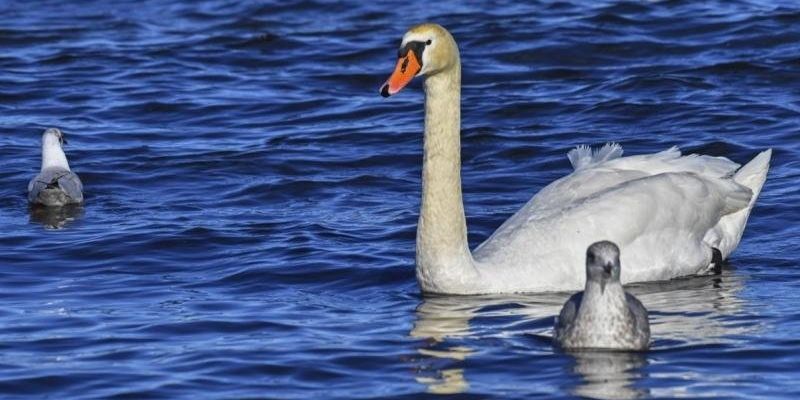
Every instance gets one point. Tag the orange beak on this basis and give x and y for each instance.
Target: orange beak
(406, 69)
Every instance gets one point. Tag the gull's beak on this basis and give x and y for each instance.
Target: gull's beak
(607, 268)
(407, 68)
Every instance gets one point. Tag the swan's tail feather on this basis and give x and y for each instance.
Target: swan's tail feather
(738, 198)
(726, 235)
(583, 156)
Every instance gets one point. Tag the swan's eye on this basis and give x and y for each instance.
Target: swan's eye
(429, 42)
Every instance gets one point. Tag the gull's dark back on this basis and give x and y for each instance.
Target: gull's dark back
(55, 187)
(568, 313)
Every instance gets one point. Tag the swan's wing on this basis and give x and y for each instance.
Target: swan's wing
(575, 187)
(567, 315)
(642, 325)
(671, 160)
(605, 168)
(658, 221)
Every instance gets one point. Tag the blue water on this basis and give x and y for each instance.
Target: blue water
(251, 201)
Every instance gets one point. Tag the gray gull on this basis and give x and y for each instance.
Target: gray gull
(603, 316)
(56, 184)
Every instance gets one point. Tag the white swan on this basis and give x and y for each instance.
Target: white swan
(667, 212)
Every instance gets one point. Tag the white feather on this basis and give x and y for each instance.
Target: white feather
(583, 157)
(658, 208)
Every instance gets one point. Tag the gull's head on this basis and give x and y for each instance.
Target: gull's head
(602, 263)
(54, 136)
(426, 49)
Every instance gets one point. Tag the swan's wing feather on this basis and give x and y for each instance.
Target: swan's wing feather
(583, 156)
(671, 160)
(576, 186)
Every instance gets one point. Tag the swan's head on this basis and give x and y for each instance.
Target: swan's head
(426, 49)
(54, 136)
(602, 263)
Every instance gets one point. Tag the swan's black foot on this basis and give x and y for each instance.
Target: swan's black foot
(716, 260)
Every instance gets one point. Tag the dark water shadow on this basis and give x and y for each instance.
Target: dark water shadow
(55, 217)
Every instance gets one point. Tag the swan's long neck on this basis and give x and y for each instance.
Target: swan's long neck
(444, 262)
(52, 154)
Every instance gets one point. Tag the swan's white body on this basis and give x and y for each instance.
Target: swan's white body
(665, 211)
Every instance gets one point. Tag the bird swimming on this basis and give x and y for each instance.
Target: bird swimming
(603, 316)
(675, 215)
(56, 184)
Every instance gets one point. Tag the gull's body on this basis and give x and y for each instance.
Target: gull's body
(667, 211)
(56, 184)
(603, 316)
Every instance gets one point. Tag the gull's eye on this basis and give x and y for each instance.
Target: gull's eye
(429, 42)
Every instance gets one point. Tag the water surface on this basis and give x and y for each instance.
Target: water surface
(251, 201)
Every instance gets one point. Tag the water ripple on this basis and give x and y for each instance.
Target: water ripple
(251, 201)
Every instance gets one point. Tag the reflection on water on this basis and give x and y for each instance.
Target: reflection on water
(692, 310)
(55, 217)
(444, 320)
(609, 374)
(441, 317)
(448, 381)
(685, 311)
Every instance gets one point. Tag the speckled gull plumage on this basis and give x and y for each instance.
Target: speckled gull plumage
(603, 316)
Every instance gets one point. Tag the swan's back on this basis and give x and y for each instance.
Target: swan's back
(605, 169)
(657, 207)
